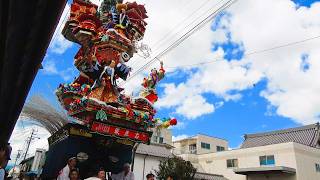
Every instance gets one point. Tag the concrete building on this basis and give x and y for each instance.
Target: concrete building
(148, 157)
(39, 160)
(200, 144)
(162, 136)
(34, 164)
(289, 154)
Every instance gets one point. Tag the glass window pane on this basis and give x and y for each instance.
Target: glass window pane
(160, 139)
(317, 167)
(263, 160)
(229, 163)
(270, 160)
(232, 163)
(220, 148)
(205, 145)
(155, 139)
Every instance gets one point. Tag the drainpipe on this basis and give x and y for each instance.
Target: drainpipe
(144, 165)
(134, 149)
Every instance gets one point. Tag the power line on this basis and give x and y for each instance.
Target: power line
(184, 37)
(166, 36)
(159, 43)
(221, 58)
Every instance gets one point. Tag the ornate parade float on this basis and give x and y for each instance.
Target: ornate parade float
(109, 123)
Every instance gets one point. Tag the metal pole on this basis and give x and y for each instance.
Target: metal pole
(144, 165)
(28, 145)
(15, 163)
(133, 155)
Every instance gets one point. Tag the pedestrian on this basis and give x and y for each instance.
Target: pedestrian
(170, 177)
(2, 159)
(74, 174)
(99, 175)
(150, 176)
(64, 173)
(5, 151)
(126, 174)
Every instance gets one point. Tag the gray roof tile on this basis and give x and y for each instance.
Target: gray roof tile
(154, 150)
(207, 176)
(306, 135)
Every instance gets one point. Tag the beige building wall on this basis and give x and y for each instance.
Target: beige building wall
(144, 164)
(271, 177)
(214, 142)
(306, 158)
(293, 155)
(182, 146)
(248, 158)
(166, 134)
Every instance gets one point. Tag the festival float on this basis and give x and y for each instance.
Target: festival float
(109, 124)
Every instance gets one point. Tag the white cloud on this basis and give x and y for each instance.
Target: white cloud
(180, 125)
(179, 137)
(19, 135)
(59, 44)
(50, 68)
(293, 92)
(195, 49)
(195, 107)
(255, 25)
(68, 74)
(219, 104)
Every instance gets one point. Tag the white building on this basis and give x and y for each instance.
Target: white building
(38, 161)
(200, 144)
(148, 157)
(289, 154)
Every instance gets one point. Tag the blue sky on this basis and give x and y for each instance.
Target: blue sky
(256, 111)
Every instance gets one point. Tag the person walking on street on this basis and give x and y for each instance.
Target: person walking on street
(126, 174)
(64, 173)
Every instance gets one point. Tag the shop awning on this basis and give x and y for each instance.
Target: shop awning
(265, 170)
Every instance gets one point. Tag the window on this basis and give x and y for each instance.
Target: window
(317, 167)
(220, 148)
(193, 148)
(160, 140)
(205, 145)
(231, 163)
(155, 139)
(267, 160)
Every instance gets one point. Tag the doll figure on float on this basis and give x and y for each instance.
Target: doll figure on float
(122, 20)
(149, 84)
(109, 24)
(107, 70)
(104, 88)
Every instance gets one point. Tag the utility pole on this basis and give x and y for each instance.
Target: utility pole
(33, 133)
(15, 163)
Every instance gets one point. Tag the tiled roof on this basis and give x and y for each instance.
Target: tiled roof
(157, 150)
(207, 176)
(306, 135)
